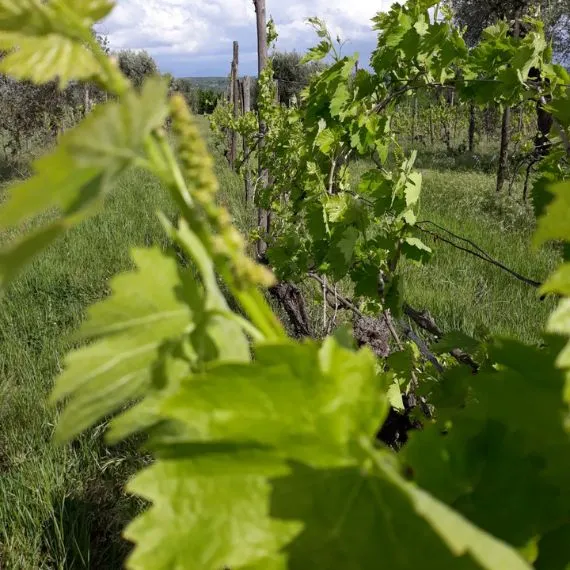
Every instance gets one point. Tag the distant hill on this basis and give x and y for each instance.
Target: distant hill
(215, 83)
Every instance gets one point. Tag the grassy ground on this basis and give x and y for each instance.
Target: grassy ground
(63, 508)
(463, 292)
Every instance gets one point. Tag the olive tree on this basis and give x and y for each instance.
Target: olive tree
(136, 65)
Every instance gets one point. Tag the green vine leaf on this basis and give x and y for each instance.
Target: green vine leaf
(553, 225)
(46, 40)
(206, 516)
(148, 308)
(255, 475)
(413, 188)
(241, 404)
(41, 59)
(416, 250)
(559, 282)
(554, 550)
(325, 140)
(559, 323)
(467, 458)
(341, 509)
(317, 53)
(65, 17)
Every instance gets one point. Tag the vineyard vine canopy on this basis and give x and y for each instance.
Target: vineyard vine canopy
(265, 450)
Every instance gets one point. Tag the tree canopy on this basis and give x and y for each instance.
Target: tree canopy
(137, 65)
(476, 15)
(293, 75)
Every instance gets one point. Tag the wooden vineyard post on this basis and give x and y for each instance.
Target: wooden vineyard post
(263, 219)
(86, 100)
(245, 92)
(234, 101)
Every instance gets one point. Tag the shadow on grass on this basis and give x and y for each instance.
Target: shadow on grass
(86, 534)
(12, 169)
(84, 531)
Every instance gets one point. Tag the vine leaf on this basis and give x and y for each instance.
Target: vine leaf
(239, 403)
(554, 550)
(559, 323)
(317, 53)
(147, 309)
(46, 40)
(416, 250)
(553, 225)
(413, 188)
(325, 140)
(38, 18)
(74, 179)
(513, 419)
(559, 281)
(275, 465)
(206, 516)
(41, 59)
(353, 519)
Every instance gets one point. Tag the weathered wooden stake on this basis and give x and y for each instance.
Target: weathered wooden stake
(246, 108)
(234, 94)
(263, 218)
(86, 99)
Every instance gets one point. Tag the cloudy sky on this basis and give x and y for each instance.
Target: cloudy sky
(194, 37)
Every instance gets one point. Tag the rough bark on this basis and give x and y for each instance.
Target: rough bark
(289, 296)
(373, 333)
(263, 219)
(246, 108)
(234, 100)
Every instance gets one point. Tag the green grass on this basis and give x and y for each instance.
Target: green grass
(59, 506)
(463, 292)
(64, 508)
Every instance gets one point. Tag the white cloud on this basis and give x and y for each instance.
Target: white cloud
(174, 26)
(206, 28)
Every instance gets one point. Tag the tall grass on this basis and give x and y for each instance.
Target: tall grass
(463, 292)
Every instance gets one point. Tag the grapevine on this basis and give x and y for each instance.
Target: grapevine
(265, 451)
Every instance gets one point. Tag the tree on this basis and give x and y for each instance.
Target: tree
(187, 90)
(557, 19)
(207, 101)
(27, 110)
(476, 15)
(292, 75)
(137, 65)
